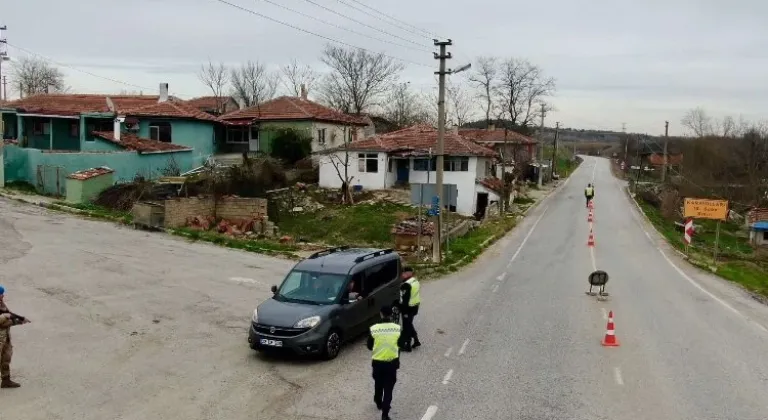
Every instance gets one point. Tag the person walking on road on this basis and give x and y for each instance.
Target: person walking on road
(385, 341)
(410, 299)
(589, 193)
(7, 320)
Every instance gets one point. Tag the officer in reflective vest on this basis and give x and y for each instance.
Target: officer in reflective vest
(410, 298)
(385, 342)
(589, 192)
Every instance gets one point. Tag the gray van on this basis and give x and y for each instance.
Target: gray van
(327, 299)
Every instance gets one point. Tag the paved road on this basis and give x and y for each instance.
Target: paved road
(132, 325)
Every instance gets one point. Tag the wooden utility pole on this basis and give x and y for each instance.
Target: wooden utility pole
(554, 149)
(540, 146)
(626, 143)
(666, 152)
(437, 255)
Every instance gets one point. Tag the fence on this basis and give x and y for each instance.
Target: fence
(51, 180)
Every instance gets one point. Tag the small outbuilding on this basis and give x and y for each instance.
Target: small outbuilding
(84, 186)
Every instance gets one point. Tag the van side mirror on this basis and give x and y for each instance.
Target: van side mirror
(273, 289)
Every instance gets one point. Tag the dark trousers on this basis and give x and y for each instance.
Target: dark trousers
(384, 379)
(409, 331)
(589, 198)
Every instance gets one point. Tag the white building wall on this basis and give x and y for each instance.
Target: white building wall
(465, 184)
(329, 178)
(334, 135)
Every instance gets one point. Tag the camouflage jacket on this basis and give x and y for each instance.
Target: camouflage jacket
(7, 323)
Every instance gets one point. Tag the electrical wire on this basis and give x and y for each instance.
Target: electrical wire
(362, 23)
(423, 32)
(343, 28)
(318, 35)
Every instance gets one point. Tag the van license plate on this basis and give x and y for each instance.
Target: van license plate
(273, 343)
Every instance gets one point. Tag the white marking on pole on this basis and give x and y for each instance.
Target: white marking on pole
(502, 276)
(605, 313)
(495, 288)
(463, 347)
(448, 352)
(530, 232)
(592, 256)
(617, 375)
(447, 377)
(430, 413)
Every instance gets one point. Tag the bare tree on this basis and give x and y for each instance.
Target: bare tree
(294, 75)
(34, 75)
(698, 121)
(404, 107)
(521, 90)
(216, 77)
(252, 84)
(357, 78)
(461, 109)
(340, 158)
(485, 78)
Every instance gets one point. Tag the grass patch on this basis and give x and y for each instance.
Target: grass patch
(260, 246)
(21, 186)
(361, 224)
(750, 275)
(96, 211)
(463, 250)
(523, 199)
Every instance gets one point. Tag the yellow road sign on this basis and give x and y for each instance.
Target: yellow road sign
(704, 208)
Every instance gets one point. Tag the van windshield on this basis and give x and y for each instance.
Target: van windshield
(311, 287)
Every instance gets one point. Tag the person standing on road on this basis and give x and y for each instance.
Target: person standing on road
(589, 193)
(7, 320)
(410, 299)
(385, 341)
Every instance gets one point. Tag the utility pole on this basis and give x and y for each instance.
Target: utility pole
(554, 149)
(3, 56)
(626, 143)
(540, 146)
(437, 255)
(666, 152)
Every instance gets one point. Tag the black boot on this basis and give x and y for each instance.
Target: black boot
(8, 383)
(416, 343)
(385, 416)
(378, 404)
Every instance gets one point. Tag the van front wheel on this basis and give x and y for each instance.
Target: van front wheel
(332, 345)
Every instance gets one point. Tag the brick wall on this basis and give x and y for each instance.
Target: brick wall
(178, 210)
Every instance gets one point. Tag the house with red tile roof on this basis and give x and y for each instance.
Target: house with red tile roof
(512, 145)
(254, 128)
(215, 105)
(407, 157)
(133, 134)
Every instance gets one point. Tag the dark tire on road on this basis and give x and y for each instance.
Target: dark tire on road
(332, 345)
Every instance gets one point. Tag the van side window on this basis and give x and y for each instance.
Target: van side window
(357, 283)
(379, 275)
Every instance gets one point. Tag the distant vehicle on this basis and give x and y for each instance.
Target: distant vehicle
(326, 300)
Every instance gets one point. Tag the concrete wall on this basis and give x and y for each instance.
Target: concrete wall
(85, 191)
(464, 181)
(329, 178)
(178, 210)
(334, 134)
(196, 134)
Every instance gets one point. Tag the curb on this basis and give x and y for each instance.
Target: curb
(648, 221)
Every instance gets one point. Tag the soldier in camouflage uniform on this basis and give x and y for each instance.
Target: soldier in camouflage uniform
(7, 320)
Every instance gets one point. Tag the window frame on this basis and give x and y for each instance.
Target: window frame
(321, 136)
(452, 163)
(425, 164)
(157, 127)
(363, 161)
(242, 131)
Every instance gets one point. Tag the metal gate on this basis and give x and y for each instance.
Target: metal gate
(51, 180)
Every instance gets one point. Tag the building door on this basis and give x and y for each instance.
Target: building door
(403, 170)
(482, 204)
(253, 139)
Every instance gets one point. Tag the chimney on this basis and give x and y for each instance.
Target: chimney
(491, 126)
(303, 91)
(116, 133)
(163, 92)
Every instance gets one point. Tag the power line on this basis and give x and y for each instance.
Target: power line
(316, 34)
(361, 23)
(423, 32)
(343, 28)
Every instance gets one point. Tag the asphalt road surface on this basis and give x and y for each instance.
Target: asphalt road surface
(132, 325)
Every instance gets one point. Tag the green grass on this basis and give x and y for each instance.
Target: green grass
(750, 275)
(252, 245)
(361, 224)
(21, 186)
(93, 210)
(524, 199)
(465, 249)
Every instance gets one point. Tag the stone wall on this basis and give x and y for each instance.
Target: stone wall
(178, 210)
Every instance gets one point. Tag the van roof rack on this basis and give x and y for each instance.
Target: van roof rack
(373, 254)
(328, 251)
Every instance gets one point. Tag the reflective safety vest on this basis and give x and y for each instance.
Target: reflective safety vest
(415, 296)
(385, 336)
(589, 191)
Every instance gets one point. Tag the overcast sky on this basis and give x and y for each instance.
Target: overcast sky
(638, 62)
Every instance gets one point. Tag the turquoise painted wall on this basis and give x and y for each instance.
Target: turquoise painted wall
(21, 163)
(101, 145)
(9, 125)
(63, 139)
(196, 134)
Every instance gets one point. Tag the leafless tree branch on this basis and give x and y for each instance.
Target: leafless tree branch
(294, 75)
(216, 78)
(485, 78)
(34, 75)
(252, 84)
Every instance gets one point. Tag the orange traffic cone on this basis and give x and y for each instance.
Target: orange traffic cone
(591, 240)
(610, 339)
(591, 206)
(590, 218)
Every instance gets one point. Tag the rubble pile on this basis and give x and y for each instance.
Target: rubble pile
(233, 228)
(411, 227)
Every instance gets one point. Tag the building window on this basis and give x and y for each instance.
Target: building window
(350, 136)
(160, 131)
(74, 129)
(40, 128)
(237, 135)
(254, 132)
(321, 136)
(765, 235)
(368, 162)
(389, 164)
(456, 164)
(422, 164)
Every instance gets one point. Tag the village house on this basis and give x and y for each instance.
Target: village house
(253, 129)
(406, 158)
(48, 137)
(757, 223)
(514, 148)
(214, 105)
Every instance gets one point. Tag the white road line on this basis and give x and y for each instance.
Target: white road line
(448, 352)
(463, 347)
(647, 234)
(244, 280)
(530, 232)
(502, 276)
(430, 413)
(447, 377)
(617, 376)
(605, 313)
(592, 255)
(594, 168)
(495, 288)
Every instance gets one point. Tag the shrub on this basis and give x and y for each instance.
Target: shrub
(291, 145)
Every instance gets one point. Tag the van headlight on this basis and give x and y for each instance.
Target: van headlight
(255, 318)
(310, 322)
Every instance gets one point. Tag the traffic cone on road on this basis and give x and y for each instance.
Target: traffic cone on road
(610, 339)
(590, 218)
(591, 206)
(591, 240)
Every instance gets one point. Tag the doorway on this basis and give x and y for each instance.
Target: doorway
(403, 171)
(482, 204)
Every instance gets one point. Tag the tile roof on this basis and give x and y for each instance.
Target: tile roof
(494, 184)
(208, 102)
(73, 105)
(757, 215)
(658, 159)
(171, 109)
(90, 173)
(489, 137)
(133, 142)
(417, 140)
(293, 108)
